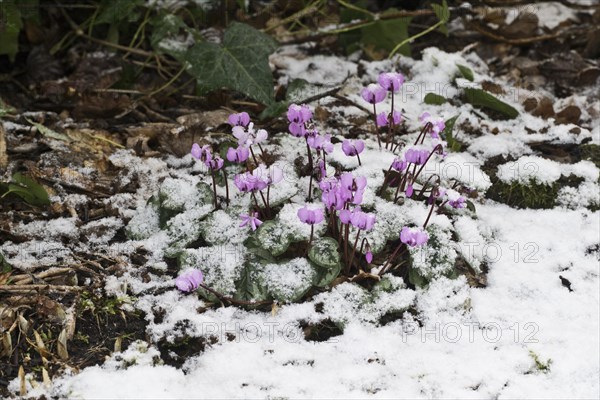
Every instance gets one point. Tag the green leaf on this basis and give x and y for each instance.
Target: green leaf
(441, 11)
(385, 34)
(273, 238)
(29, 190)
(253, 246)
(324, 252)
(4, 265)
(466, 72)
(248, 287)
(435, 99)
(10, 18)
(239, 63)
(471, 206)
(5, 109)
(48, 132)
(447, 134)
(481, 98)
(113, 12)
(416, 279)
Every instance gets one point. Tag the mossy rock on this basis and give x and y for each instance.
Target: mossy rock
(591, 152)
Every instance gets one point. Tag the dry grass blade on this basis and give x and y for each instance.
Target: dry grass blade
(23, 324)
(3, 155)
(46, 378)
(22, 385)
(39, 345)
(61, 345)
(6, 345)
(118, 344)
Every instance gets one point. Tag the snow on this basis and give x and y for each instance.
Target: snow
(449, 340)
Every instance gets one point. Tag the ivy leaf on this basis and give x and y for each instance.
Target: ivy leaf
(434, 99)
(416, 279)
(441, 11)
(385, 34)
(239, 63)
(481, 98)
(248, 288)
(466, 72)
(471, 206)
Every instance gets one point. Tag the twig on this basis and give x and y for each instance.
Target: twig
(3, 155)
(36, 288)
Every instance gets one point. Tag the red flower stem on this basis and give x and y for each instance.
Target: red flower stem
(354, 249)
(212, 174)
(357, 156)
(392, 257)
(253, 156)
(376, 127)
(312, 232)
(439, 146)
(430, 212)
(226, 186)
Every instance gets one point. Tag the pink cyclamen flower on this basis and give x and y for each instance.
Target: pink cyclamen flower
(238, 155)
(248, 137)
(369, 256)
(458, 203)
(247, 182)
(299, 114)
(310, 216)
(399, 164)
(189, 280)
(437, 124)
(320, 142)
(416, 155)
(362, 220)
(215, 163)
(201, 153)
(251, 219)
(383, 119)
(241, 119)
(297, 130)
(409, 190)
(413, 236)
(373, 93)
(345, 216)
(269, 176)
(353, 147)
(391, 81)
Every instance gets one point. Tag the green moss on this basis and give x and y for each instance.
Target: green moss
(540, 365)
(591, 152)
(516, 194)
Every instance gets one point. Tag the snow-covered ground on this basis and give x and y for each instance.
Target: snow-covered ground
(525, 335)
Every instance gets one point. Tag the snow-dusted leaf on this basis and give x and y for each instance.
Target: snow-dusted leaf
(273, 238)
(239, 63)
(481, 98)
(324, 252)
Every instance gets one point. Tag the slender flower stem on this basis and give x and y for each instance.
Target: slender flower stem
(376, 126)
(226, 186)
(389, 261)
(310, 167)
(262, 152)
(312, 232)
(214, 185)
(232, 300)
(357, 156)
(268, 194)
(439, 146)
(390, 123)
(253, 156)
(423, 133)
(354, 249)
(347, 269)
(262, 196)
(430, 212)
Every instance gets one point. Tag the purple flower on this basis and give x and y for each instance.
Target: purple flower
(248, 137)
(369, 256)
(458, 203)
(409, 190)
(310, 216)
(373, 93)
(297, 130)
(320, 142)
(352, 147)
(201, 153)
(238, 155)
(362, 220)
(383, 119)
(399, 164)
(269, 176)
(345, 216)
(241, 119)
(327, 184)
(416, 155)
(333, 199)
(246, 182)
(438, 124)
(251, 219)
(189, 280)
(299, 114)
(413, 236)
(391, 81)
(352, 189)
(215, 163)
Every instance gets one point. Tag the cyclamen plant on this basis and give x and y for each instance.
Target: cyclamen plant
(340, 221)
